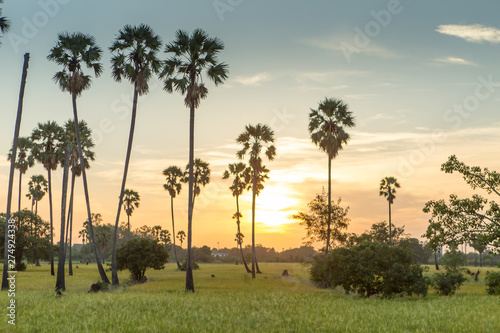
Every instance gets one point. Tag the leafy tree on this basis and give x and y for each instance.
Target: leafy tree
(449, 282)
(256, 140)
(181, 236)
(46, 138)
(139, 254)
(135, 59)
(24, 161)
(71, 52)
(190, 56)
(242, 176)
(417, 248)
(370, 269)
(173, 176)
(131, 200)
(317, 221)
(327, 128)
(379, 233)
(4, 23)
(492, 281)
(388, 187)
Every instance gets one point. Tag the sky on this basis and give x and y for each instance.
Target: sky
(422, 79)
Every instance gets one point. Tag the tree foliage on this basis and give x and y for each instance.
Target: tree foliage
(139, 254)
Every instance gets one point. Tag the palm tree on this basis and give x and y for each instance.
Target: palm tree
(201, 177)
(173, 186)
(60, 283)
(46, 138)
(37, 187)
(181, 236)
(130, 201)
(87, 145)
(183, 72)
(326, 126)
(241, 181)
(24, 161)
(71, 52)
(388, 187)
(134, 58)
(255, 140)
(4, 23)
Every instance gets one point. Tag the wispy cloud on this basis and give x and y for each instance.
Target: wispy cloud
(254, 80)
(454, 61)
(475, 33)
(335, 44)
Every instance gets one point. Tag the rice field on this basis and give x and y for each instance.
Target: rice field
(232, 302)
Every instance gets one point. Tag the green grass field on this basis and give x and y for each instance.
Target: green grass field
(233, 302)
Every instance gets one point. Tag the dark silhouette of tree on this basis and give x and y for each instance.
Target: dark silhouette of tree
(60, 282)
(327, 128)
(71, 52)
(190, 56)
(37, 187)
(4, 23)
(134, 58)
(131, 201)
(256, 140)
(173, 176)
(181, 236)
(24, 161)
(388, 187)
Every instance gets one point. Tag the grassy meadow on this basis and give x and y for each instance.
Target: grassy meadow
(233, 302)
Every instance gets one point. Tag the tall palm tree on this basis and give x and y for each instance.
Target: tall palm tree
(72, 51)
(4, 23)
(242, 176)
(181, 236)
(37, 187)
(255, 140)
(46, 138)
(87, 145)
(190, 55)
(201, 177)
(135, 59)
(131, 201)
(327, 128)
(24, 161)
(388, 187)
(60, 282)
(173, 175)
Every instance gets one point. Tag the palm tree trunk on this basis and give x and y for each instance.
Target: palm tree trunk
(128, 222)
(329, 204)
(19, 200)
(436, 260)
(173, 230)
(254, 187)
(114, 267)
(69, 226)
(51, 225)
(5, 284)
(189, 264)
(239, 232)
(390, 223)
(102, 273)
(60, 283)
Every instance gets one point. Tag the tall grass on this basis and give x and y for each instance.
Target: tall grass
(233, 302)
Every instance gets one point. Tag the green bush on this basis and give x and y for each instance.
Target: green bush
(492, 281)
(447, 283)
(139, 254)
(370, 269)
(183, 265)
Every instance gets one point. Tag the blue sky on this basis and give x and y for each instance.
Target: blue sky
(412, 83)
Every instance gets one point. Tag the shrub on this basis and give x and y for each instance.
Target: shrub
(139, 254)
(447, 283)
(492, 283)
(370, 269)
(183, 266)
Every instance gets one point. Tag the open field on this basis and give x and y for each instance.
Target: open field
(232, 302)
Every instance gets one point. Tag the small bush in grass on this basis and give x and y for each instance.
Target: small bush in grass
(492, 283)
(370, 269)
(139, 254)
(449, 282)
(183, 266)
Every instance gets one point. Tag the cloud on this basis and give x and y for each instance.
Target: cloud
(454, 61)
(339, 45)
(475, 33)
(254, 80)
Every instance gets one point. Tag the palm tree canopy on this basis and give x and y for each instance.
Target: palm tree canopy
(134, 56)
(242, 177)
(69, 137)
(4, 23)
(327, 125)
(174, 175)
(190, 55)
(24, 158)
(38, 186)
(130, 201)
(45, 141)
(388, 187)
(70, 51)
(201, 175)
